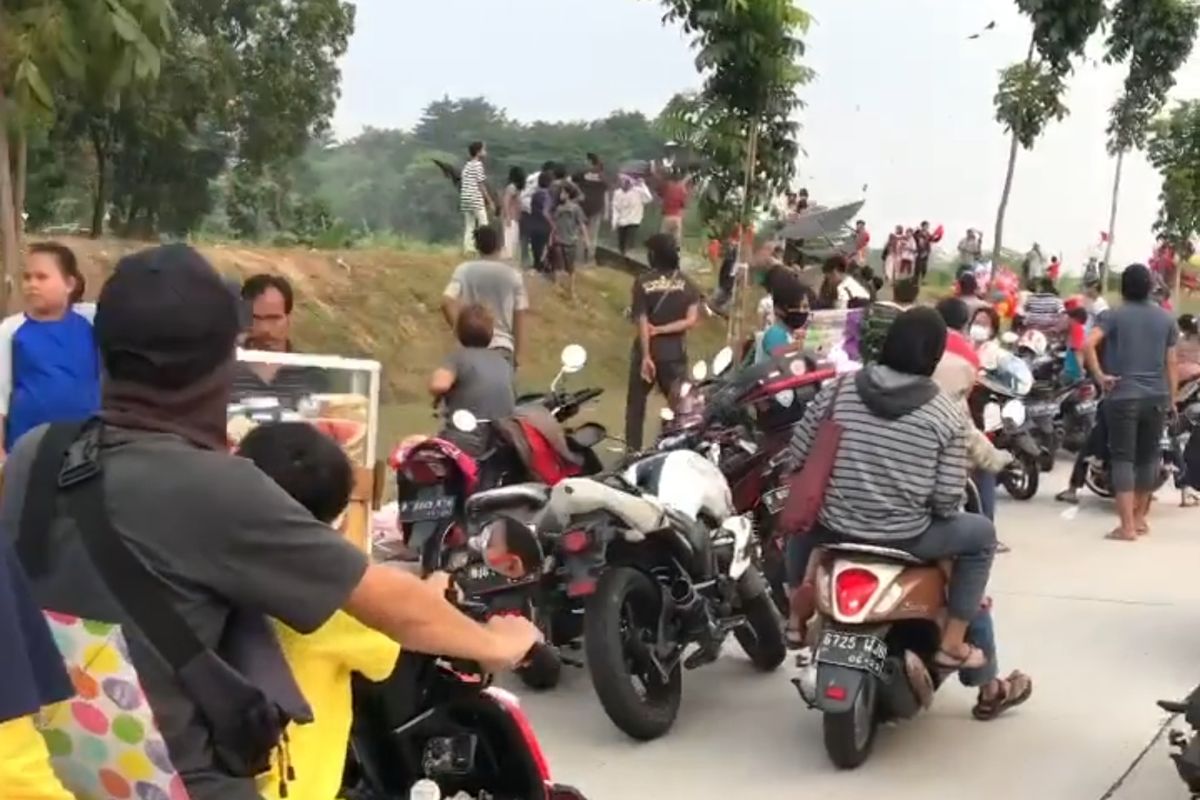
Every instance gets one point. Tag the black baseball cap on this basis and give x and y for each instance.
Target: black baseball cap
(165, 318)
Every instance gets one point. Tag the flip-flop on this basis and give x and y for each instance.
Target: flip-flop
(948, 662)
(1014, 690)
(1001, 547)
(1117, 536)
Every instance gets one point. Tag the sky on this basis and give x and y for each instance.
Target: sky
(902, 102)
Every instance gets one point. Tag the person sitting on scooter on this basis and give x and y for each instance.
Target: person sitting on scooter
(316, 473)
(900, 469)
(793, 301)
(474, 378)
(1187, 352)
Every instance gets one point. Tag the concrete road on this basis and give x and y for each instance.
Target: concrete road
(1105, 628)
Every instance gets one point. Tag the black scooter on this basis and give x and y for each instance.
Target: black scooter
(1186, 749)
(441, 720)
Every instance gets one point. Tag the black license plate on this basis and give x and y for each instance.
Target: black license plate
(853, 650)
(425, 509)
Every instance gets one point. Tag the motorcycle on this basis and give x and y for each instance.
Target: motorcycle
(435, 477)
(998, 406)
(1098, 477)
(1186, 755)
(439, 726)
(659, 561)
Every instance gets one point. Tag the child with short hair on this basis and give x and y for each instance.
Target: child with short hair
(314, 470)
(570, 230)
(474, 378)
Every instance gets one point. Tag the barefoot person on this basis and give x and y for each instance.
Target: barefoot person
(1139, 377)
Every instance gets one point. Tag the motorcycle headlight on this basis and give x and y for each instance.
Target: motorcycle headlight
(1013, 413)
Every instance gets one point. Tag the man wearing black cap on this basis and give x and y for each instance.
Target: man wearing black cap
(217, 534)
(665, 306)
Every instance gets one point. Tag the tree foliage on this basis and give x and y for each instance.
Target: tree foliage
(1156, 38)
(1173, 148)
(1028, 98)
(749, 52)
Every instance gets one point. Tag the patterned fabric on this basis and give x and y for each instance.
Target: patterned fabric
(104, 742)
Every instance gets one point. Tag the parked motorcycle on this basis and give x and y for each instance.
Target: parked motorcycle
(1186, 748)
(661, 562)
(440, 726)
(435, 477)
(998, 405)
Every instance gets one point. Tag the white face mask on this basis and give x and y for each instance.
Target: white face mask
(980, 333)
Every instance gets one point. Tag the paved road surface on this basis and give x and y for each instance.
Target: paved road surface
(1105, 628)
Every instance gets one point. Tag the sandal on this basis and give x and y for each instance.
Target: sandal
(1117, 535)
(1014, 690)
(948, 662)
(1188, 499)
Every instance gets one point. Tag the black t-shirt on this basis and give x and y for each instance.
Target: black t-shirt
(663, 298)
(594, 189)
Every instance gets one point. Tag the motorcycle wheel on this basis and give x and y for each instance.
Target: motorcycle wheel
(850, 735)
(761, 637)
(1096, 479)
(620, 616)
(1021, 477)
(544, 669)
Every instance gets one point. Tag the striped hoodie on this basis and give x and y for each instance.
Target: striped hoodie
(902, 458)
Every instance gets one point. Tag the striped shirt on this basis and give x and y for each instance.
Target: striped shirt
(471, 194)
(1044, 312)
(890, 476)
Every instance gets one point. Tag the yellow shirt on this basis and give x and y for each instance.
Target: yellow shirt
(322, 663)
(25, 771)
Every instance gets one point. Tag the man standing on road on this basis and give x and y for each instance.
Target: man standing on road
(594, 186)
(474, 199)
(674, 193)
(1140, 377)
(665, 306)
(271, 300)
(494, 284)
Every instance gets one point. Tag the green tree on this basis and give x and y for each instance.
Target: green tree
(741, 121)
(1156, 38)
(1029, 96)
(1173, 147)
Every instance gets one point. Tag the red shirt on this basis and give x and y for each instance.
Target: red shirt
(959, 345)
(674, 197)
(1075, 336)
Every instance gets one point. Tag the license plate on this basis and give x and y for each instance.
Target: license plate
(1041, 410)
(853, 650)
(426, 509)
(1086, 407)
(774, 499)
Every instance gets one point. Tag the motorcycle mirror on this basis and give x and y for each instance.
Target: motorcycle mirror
(574, 356)
(666, 415)
(722, 360)
(510, 548)
(699, 371)
(464, 421)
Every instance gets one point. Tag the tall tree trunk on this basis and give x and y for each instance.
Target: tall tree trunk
(9, 241)
(998, 241)
(1112, 221)
(741, 283)
(20, 183)
(100, 200)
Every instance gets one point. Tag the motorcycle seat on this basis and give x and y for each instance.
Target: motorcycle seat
(874, 551)
(529, 494)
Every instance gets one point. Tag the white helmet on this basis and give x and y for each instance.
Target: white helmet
(1034, 341)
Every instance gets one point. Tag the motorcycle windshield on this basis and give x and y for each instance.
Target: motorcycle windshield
(1012, 374)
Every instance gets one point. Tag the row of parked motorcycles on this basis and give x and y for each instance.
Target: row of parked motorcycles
(1029, 407)
(646, 567)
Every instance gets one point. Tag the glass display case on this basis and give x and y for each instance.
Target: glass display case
(339, 396)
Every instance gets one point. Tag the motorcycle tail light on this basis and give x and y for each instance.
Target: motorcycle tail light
(425, 471)
(575, 541)
(508, 701)
(853, 589)
(581, 588)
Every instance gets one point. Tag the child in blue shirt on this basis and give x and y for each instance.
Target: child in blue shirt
(793, 302)
(49, 368)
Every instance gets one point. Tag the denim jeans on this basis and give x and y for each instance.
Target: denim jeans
(982, 633)
(1134, 431)
(985, 482)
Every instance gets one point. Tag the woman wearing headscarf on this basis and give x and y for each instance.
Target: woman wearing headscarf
(901, 467)
(32, 675)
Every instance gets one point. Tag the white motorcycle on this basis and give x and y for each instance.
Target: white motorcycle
(661, 562)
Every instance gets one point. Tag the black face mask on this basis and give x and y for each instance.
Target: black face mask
(795, 319)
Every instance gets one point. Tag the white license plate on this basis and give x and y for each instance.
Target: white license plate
(775, 499)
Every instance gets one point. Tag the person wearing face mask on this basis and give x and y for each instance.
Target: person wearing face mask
(984, 334)
(793, 302)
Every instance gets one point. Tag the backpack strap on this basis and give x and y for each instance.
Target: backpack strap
(41, 495)
(68, 462)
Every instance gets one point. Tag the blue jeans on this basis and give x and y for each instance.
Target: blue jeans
(982, 633)
(985, 482)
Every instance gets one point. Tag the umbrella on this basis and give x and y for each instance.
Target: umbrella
(821, 222)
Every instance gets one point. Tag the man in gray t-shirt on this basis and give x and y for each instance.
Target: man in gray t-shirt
(494, 284)
(1139, 377)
